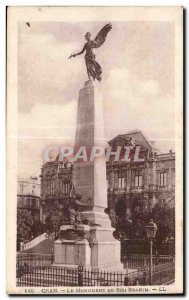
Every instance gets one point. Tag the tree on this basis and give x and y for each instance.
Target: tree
(27, 227)
(134, 228)
(37, 228)
(55, 218)
(24, 223)
(164, 217)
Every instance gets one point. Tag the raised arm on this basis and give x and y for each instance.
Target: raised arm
(79, 53)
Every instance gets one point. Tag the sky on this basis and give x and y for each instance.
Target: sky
(137, 87)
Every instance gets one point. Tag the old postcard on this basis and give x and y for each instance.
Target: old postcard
(94, 150)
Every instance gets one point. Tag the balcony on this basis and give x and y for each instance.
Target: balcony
(137, 189)
(49, 196)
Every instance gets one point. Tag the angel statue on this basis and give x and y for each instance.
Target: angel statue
(93, 68)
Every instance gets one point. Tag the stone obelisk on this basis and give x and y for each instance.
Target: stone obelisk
(90, 179)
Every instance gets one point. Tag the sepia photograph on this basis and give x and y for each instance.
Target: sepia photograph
(94, 150)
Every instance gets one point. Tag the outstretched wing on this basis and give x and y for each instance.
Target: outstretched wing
(101, 36)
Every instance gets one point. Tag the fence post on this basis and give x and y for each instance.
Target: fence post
(126, 281)
(157, 258)
(52, 258)
(144, 274)
(127, 267)
(80, 275)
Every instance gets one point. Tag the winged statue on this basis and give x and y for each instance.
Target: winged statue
(94, 70)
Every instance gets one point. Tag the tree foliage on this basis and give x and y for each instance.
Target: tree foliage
(28, 227)
(134, 228)
(56, 216)
(24, 223)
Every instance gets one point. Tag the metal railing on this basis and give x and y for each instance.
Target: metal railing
(35, 259)
(164, 274)
(138, 262)
(38, 272)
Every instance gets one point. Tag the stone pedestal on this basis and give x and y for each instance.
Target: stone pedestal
(69, 253)
(73, 248)
(103, 254)
(106, 252)
(90, 183)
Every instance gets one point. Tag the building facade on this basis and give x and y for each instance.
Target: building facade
(131, 185)
(139, 185)
(28, 196)
(56, 185)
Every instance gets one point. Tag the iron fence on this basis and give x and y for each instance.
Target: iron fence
(138, 262)
(35, 259)
(36, 272)
(164, 274)
(55, 276)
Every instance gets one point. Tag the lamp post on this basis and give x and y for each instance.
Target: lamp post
(151, 230)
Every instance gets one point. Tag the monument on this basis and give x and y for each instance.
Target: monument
(96, 247)
(89, 240)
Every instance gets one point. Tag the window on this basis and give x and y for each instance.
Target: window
(138, 178)
(51, 188)
(121, 180)
(37, 205)
(126, 177)
(21, 188)
(107, 181)
(61, 186)
(66, 188)
(28, 201)
(163, 178)
(33, 203)
(33, 189)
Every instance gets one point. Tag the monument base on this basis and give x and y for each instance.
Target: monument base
(106, 250)
(100, 251)
(69, 253)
